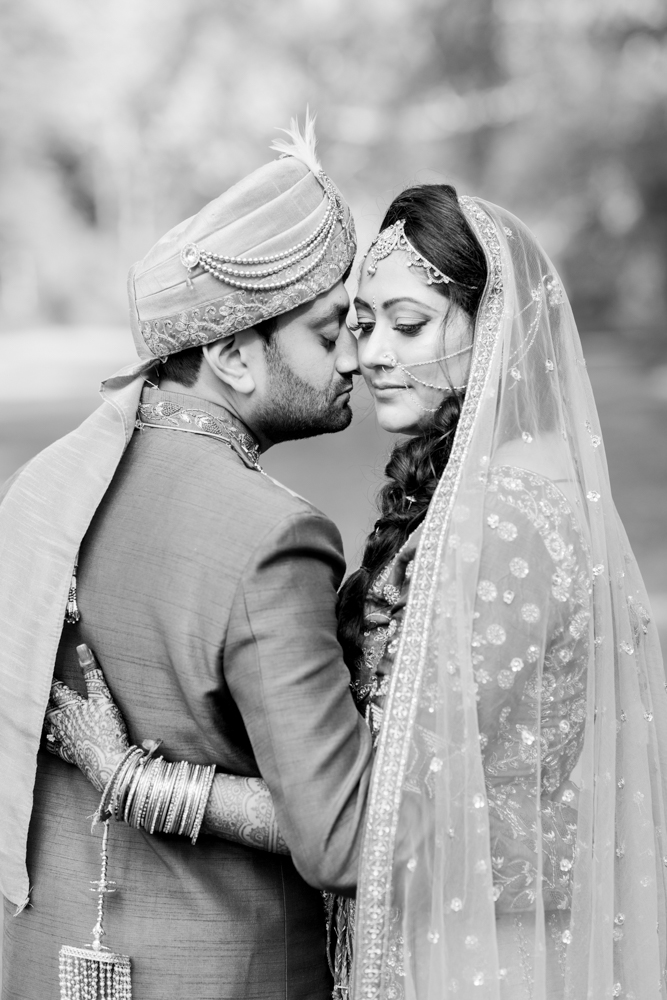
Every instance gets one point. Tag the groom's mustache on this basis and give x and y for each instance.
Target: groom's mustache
(345, 385)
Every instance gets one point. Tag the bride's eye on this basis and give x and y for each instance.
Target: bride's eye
(409, 329)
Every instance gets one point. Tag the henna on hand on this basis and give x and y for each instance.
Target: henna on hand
(89, 732)
(241, 809)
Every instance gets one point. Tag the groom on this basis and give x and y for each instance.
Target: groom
(208, 591)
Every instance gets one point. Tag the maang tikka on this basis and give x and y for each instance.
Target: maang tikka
(394, 238)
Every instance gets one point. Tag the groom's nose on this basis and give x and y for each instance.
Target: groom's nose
(347, 360)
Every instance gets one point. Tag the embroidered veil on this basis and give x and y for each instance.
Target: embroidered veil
(516, 841)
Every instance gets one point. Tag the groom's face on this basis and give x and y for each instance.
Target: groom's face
(309, 364)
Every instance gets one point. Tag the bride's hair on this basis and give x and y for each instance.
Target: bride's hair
(438, 229)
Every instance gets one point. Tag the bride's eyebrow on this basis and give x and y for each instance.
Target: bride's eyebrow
(406, 298)
(388, 303)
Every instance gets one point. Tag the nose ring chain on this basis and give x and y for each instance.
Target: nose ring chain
(393, 362)
(429, 385)
(445, 357)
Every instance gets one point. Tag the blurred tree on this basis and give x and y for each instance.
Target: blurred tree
(117, 120)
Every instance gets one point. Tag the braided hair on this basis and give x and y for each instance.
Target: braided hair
(438, 229)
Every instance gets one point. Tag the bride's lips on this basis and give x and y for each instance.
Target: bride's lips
(387, 388)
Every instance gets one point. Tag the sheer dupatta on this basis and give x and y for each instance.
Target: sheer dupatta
(516, 832)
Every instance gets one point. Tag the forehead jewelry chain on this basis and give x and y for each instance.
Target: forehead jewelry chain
(393, 238)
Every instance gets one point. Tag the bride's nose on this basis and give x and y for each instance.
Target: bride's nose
(375, 350)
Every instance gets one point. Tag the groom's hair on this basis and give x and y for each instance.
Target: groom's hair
(184, 366)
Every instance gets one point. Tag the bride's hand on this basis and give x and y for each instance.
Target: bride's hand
(89, 732)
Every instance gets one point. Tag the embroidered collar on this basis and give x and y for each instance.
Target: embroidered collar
(178, 411)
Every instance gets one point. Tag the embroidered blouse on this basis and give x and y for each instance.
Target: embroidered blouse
(529, 652)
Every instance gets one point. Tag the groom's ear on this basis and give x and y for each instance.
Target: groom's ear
(238, 361)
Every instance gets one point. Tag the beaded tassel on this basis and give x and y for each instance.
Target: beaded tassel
(340, 935)
(94, 972)
(72, 613)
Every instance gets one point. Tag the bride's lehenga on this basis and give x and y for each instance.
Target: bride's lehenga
(532, 608)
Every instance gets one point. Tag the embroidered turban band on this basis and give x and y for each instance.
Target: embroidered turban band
(280, 237)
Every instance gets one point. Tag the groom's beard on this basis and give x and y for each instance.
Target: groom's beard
(295, 409)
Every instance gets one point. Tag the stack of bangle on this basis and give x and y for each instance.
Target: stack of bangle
(158, 796)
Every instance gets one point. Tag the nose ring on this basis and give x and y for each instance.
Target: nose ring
(391, 361)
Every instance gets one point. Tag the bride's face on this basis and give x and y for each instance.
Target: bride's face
(405, 327)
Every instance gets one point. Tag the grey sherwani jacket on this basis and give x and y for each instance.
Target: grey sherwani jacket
(208, 592)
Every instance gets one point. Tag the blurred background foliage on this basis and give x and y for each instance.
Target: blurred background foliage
(119, 119)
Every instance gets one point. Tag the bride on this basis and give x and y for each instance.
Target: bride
(498, 643)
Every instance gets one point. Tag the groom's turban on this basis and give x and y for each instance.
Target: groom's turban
(274, 241)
